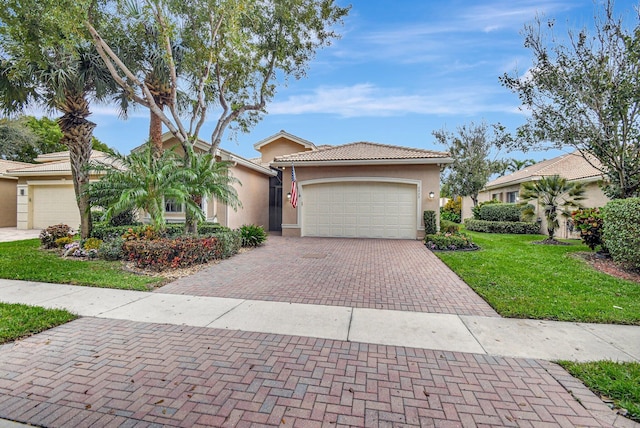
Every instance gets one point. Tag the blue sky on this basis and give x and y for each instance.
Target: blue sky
(402, 69)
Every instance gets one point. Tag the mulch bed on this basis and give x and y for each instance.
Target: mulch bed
(608, 266)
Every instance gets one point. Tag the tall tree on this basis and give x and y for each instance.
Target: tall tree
(584, 92)
(16, 139)
(554, 196)
(48, 61)
(471, 150)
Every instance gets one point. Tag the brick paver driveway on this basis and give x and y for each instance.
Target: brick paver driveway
(359, 273)
(98, 372)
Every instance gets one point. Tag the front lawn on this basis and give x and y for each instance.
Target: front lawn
(21, 320)
(618, 382)
(25, 260)
(523, 280)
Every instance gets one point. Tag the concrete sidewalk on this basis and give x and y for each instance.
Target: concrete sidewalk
(546, 340)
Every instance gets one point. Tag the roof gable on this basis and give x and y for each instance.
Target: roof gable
(283, 134)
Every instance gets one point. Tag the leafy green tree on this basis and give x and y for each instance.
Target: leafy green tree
(470, 149)
(584, 92)
(47, 61)
(15, 140)
(554, 196)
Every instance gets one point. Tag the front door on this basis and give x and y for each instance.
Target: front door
(275, 202)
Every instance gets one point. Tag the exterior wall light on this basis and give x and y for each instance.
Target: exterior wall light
(289, 196)
(432, 195)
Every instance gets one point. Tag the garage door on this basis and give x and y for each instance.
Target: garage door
(54, 205)
(359, 210)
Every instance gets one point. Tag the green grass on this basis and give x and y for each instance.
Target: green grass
(18, 321)
(619, 382)
(24, 260)
(523, 280)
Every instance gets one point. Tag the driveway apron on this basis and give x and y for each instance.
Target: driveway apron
(360, 273)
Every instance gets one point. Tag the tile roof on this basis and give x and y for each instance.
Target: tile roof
(8, 164)
(361, 151)
(571, 166)
(61, 166)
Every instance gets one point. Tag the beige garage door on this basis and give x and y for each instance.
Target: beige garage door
(54, 205)
(359, 210)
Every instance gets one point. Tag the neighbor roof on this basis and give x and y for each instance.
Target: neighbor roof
(61, 167)
(571, 166)
(6, 165)
(364, 153)
(306, 144)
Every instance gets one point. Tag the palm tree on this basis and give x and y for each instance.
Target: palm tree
(63, 79)
(209, 179)
(555, 195)
(141, 181)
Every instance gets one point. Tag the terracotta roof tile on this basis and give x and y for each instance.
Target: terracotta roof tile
(571, 166)
(8, 164)
(62, 166)
(361, 151)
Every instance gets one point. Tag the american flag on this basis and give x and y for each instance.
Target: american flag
(294, 188)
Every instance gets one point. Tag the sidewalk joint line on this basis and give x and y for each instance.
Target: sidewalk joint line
(349, 326)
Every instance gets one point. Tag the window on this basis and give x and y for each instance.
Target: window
(512, 197)
(171, 206)
(496, 197)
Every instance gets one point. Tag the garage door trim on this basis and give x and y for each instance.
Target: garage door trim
(417, 183)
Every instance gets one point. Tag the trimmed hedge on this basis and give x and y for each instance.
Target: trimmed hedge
(516, 227)
(449, 242)
(430, 222)
(500, 212)
(160, 254)
(104, 230)
(621, 231)
(476, 210)
(447, 226)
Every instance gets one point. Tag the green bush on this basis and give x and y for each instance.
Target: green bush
(230, 241)
(449, 242)
(621, 231)
(450, 216)
(447, 226)
(430, 222)
(92, 244)
(210, 228)
(500, 212)
(476, 210)
(452, 210)
(111, 249)
(516, 227)
(252, 235)
(589, 223)
(49, 235)
(164, 253)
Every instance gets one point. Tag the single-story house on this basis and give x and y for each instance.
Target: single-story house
(352, 190)
(571, 166)
(8, 192)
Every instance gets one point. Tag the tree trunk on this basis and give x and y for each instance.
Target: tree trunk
(155, 134)
(77, 133)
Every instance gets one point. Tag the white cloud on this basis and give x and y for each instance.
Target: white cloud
(367, 100)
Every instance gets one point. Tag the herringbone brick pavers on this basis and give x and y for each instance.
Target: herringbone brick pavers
(99, 372)
(359, 273)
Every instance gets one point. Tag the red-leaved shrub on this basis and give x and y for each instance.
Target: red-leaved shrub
(160, 254)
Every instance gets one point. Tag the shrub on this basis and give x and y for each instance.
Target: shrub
(589, 223)
(449, 242)
(516, 227)
(210, 228)
(111, 249)
(163, 253)
(447, 226)
(252, 235)
(49, 235)
(147, 232)
(92, 244)
(230, 241)
(449, 216)
(452, 210)
(61, 242)
(500, 212)
(105, 231)
(476, 210)
(621, 231)
(430, 222)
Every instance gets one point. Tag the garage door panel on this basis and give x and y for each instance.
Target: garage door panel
(54, 205)
(360, 209)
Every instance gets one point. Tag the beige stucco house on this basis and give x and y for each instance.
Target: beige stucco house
(571, 166)
(8, 192)
(354, 190)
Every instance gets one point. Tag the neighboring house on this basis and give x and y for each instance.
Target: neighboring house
(571, 166)
(8, 193)
(45, 191)
(355, 190)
